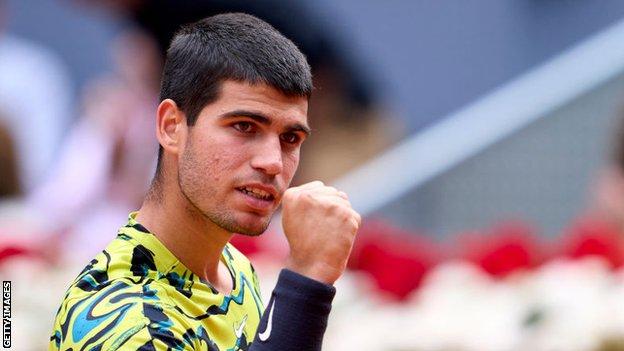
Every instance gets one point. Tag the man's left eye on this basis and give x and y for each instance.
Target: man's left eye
(244, 127)
(290, 138)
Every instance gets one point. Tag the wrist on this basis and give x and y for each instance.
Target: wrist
(318, 271)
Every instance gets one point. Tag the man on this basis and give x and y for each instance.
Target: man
(230, 124)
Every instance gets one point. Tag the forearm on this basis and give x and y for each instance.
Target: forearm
(296, 316)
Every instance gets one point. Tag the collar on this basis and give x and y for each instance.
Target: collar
(158, 257)
(157, 261)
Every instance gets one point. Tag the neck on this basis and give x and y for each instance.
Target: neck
(194, 239)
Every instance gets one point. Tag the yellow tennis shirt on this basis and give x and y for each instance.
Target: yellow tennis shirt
(136, 295)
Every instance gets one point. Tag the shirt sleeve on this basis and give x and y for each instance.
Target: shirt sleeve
(296, 316)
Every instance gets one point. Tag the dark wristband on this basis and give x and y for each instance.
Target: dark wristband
(296, 316)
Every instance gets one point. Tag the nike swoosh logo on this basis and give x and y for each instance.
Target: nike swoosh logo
(239, 330)
(264, 336)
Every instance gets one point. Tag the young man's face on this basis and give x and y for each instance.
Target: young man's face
(241, 155)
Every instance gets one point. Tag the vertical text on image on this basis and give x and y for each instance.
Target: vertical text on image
(6, 314)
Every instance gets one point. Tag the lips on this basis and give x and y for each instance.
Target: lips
(257, 193)
(258, 197)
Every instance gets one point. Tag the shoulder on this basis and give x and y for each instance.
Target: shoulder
(122, 315)
(97, 317)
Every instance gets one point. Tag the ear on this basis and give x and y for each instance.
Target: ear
(170, 126)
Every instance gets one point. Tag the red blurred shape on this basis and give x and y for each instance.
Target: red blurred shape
(396, 260)
(507, 248)
(248, 245)
(7, 252)
(593, 237)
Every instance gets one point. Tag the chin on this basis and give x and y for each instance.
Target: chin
(249, 231)
(240, 221)
(254, 229)
(250, 224)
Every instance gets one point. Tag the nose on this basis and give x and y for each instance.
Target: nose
(268, 156)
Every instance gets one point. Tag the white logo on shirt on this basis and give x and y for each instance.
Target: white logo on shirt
(239, 331)
(264, 336)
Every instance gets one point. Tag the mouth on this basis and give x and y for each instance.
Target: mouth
(256, 192)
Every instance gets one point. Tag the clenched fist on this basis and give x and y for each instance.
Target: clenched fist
(320, 227)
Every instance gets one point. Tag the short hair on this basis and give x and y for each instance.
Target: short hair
(233, 46)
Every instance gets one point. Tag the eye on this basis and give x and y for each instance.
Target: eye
(290, 138)
(244, 127)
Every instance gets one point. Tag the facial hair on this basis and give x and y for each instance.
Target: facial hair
(192, 189)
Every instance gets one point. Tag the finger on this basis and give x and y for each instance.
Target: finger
(311, 185)
(343, 204)
(307, 186)
(329, 190)
(342, 195)
(334, 198)
(356, 221)
(357, 217)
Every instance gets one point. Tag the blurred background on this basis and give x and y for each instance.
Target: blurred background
(483, 141)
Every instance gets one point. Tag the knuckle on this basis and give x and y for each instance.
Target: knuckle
(331, 206)
(288, 196)
(306, 197)
(348, 204)
(358, 218)
(345, 214)
(332, 189)
(356, 227)
(355, 221)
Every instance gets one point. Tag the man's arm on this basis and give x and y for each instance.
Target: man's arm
(296, 316)
(320, 226)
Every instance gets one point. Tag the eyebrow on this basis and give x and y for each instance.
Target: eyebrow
(262, 119)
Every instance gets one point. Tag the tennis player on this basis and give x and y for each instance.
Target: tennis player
(231, 121)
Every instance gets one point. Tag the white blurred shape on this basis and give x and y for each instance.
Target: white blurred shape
(35, 102)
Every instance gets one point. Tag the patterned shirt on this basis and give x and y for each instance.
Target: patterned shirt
(136, 295)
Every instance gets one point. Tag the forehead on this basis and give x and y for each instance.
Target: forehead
(260, 98)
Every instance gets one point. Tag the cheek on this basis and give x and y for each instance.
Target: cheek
(290, 164)
(221, 163)
(209, 161)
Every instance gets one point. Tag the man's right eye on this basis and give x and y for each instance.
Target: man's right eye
(243, 127)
